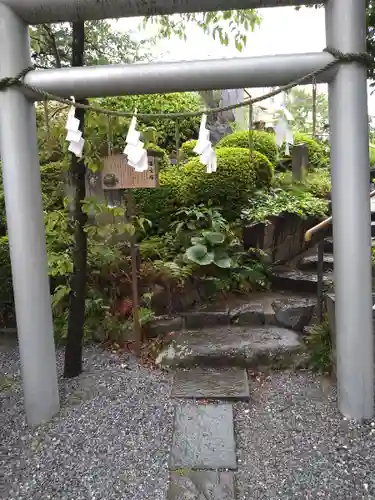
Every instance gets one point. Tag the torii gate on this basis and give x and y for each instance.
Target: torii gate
(345, 31)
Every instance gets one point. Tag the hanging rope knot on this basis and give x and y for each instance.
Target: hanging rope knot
(359, 57)
(11, 81)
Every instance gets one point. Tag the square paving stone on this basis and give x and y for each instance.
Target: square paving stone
(231, 383)
(203, 437)
(201, 485)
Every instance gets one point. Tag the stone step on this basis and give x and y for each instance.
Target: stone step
(203, 438)
(253, 347)
(201, 485)
(298, 281)
(311, 263)
(328, 242)
(268, 308)
(328, 245)
(227, 383)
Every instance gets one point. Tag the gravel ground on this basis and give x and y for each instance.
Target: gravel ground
(293, 444)
(111, 439)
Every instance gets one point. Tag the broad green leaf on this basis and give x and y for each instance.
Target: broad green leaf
(224, 262)
(214, 238)
(199, 255)
(196, 240)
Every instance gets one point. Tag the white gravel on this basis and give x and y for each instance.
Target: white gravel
(111, 439)
(293, 444)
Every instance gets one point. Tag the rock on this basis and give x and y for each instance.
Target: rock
(250, 314)
(251, 347)
(203, 319)
(163, 325)
(294, 314)
(298, 281)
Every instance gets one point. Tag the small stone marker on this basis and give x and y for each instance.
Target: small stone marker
(229, 383)
(203, 438)
(201, 485)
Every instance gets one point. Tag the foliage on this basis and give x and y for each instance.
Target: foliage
(262, 206)
(226, 26)
(206, 240)
(320, 347)
(263, 142)
(52, 45)
(209, 248)
(156, 103)
(108, 264)
(229, 187)
(53, 185)
(317, 183)
(372, 156)
(157, 205)
(318, 152)
(6, 292)
(197, 218)
(186, 151)
(370, 38)
(158, 247)
(300, 104)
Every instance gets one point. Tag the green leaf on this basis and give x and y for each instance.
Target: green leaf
(199, 255)
(214, 238)
(224, 262)
(196, 240)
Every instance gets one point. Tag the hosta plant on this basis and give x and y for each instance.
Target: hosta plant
(209, 248)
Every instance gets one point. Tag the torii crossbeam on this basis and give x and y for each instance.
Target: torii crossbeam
(345, 31)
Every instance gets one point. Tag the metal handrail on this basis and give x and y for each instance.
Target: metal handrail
(320, 270)
(322, 225)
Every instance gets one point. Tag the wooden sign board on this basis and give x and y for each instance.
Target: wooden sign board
(117, 174)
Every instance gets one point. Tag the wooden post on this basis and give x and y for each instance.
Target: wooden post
(134, 264)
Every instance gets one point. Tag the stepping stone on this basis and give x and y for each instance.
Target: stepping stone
(203, 438)
(252, 347)
(229, 383)
(201, 485)
(299, 281)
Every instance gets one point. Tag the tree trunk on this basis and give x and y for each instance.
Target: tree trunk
(76, 321)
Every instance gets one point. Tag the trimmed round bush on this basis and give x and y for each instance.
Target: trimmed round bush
(186, 150)
(157, 204)
(156, 103)
(229, 188)
(263, 142)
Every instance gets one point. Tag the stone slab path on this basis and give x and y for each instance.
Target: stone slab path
(203, 437)
(201, 485)
(230, 383)
(203, 453)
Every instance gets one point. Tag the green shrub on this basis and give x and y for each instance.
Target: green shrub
(186, 150)
(229, 188)
(6, 290)
(262, 206)
(319, 346)
(317, 182)
(157, 205)
(263, 142)
(157, 103)
(53, 185)
(372, 157)
(317, 151)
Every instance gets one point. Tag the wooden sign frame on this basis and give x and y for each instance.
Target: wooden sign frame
(118, 174)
